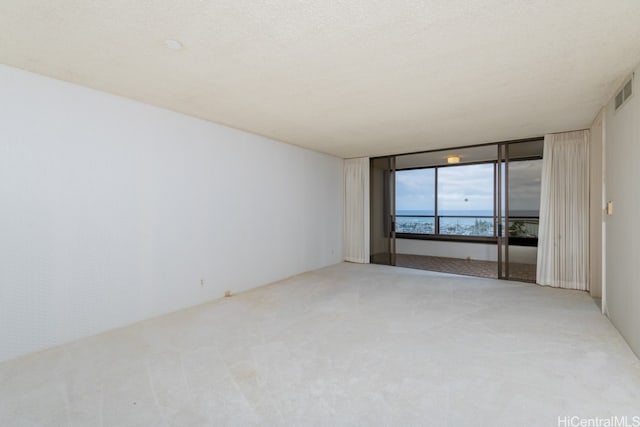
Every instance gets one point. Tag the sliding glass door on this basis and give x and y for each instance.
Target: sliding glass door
(502, 210)
(383, 210)
(520, 175)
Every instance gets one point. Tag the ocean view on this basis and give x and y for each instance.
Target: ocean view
(467, 213)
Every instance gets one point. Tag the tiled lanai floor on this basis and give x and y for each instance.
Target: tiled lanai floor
(489, 269)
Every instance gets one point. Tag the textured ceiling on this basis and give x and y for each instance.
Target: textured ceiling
(351, 78)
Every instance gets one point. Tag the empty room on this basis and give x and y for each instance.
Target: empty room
(289, 213)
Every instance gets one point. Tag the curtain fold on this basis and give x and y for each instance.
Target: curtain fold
(356, 210)
(563, 237)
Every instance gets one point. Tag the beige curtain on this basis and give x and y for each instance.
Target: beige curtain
(356, 210)
(563, 237)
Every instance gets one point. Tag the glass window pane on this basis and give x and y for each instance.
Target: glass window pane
(524, 197)
(472, 225)
(465, 200)
(415, 201)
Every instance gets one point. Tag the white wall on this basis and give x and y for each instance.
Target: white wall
(112, 211)
(477, 251)
(596, 206)
(622, 241)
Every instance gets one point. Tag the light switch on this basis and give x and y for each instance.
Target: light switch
(609, 208)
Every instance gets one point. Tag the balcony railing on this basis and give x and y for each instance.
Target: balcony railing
(465, 225)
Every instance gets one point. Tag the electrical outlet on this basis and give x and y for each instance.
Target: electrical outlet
(201, 282)
(227, 293)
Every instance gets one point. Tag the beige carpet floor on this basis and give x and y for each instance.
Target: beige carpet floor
(347, 345)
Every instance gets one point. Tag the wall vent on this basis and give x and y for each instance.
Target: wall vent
(625, 93)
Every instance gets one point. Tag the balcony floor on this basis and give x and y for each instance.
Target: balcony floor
(488, 269)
